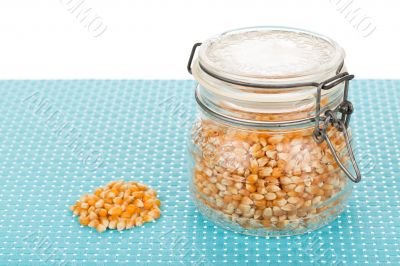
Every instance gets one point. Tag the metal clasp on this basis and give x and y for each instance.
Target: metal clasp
(330, 118)
(189, 65)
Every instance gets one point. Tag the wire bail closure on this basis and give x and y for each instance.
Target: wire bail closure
(189, 65)
(345, 108)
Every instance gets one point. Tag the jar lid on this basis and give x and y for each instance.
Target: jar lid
(269, 74)
(271, 55)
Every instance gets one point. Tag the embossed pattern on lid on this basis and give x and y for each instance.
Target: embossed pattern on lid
(262, 54)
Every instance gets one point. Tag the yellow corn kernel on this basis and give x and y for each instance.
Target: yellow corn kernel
(83, 213)
(155, 213)
(142, 187)
(139, 221)
(277, 172)
(121, 225)
(266, 223)
(84, 220)
(98, 191)
(251, 188)
(112, 224)
(114, 192)
(111, 194)
(148, 204)
(131, 209)
(147, 197)
(152, 192)
(104, 221)
(251, 179)
(138, 203)
(118, 200)
(108, 200)
(148, 218)
(125, 214)
(158, 202)
(94, 223)
(130, 224)
(138, 194)
(115, 211)
(91, 200)
(107, 206)
(99, 203)
(93, 216)
(101, 228)
(112, 218)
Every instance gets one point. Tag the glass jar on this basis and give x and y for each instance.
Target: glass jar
(270, 149)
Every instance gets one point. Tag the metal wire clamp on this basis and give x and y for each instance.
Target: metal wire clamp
(345, 108)
(322, 123)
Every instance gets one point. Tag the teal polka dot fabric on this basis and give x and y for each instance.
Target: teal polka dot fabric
(61, 139)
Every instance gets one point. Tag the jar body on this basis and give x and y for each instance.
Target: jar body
(268, 181)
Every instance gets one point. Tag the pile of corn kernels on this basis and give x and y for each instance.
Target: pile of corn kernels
(119, 205)
(264, 179)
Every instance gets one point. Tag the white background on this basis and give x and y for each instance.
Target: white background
(151, 39)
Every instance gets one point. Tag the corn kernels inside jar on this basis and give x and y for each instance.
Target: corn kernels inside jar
(270, 149)
(261, 182)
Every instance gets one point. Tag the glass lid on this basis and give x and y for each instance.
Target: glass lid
(270, 55)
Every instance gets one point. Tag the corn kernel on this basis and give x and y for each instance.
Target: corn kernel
(84, 220)
(120, 225)
(112, 224)
(139, 221)
(101, 228)
(94, 223)
(115, 211)
(138, 203)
